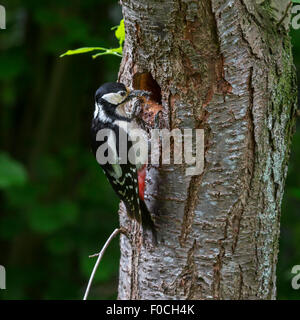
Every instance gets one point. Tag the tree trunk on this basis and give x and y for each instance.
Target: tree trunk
(224, 66)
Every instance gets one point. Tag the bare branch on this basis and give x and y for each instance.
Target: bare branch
(100, 255)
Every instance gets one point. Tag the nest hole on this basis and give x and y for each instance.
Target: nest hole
(145, 81)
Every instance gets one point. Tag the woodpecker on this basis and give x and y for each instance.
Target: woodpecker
(127, 179)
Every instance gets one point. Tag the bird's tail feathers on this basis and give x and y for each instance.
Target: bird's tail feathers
(147, 221)
(143, 216)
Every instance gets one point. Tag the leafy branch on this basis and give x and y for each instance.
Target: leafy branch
(120, 35)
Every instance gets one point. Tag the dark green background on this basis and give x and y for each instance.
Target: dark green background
(56, 207)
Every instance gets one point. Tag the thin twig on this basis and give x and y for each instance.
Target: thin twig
(100, 255)
(123, 231)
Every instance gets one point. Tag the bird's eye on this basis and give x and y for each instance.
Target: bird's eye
(123, 93)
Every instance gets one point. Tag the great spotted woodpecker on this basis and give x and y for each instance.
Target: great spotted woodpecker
(127, 179)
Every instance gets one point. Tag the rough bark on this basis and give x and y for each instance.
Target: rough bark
(225, 66)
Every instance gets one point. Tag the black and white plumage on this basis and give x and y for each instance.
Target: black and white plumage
(125, 179)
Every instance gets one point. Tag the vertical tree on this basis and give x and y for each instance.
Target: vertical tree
(224, 66)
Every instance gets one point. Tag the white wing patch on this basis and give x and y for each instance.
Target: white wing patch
(117, 171)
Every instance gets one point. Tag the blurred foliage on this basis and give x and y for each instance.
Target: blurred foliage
(289, 253)
(56, 205)
(11, 172)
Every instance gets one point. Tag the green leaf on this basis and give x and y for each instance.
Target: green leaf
(81, 50)
(12, 173)
(120, 33)
(296, 1)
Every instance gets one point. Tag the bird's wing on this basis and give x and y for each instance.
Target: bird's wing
(124, 180)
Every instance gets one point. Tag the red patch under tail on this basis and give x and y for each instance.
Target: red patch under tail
(141, 181)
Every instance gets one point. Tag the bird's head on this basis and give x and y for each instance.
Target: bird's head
(114, 93)
(111, 97)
